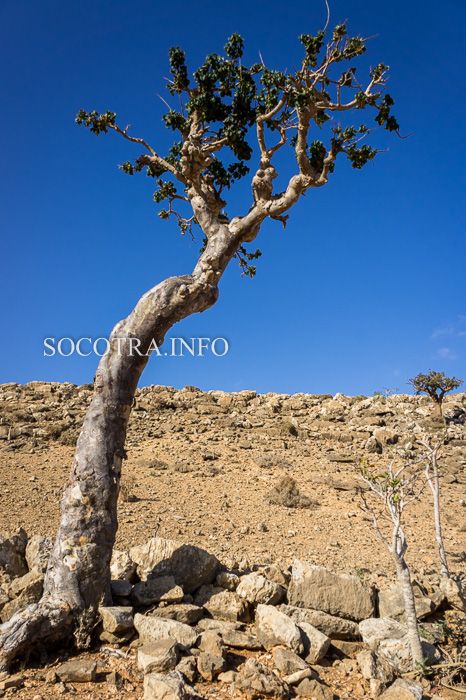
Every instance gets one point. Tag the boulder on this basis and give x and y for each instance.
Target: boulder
(122, 567)
(152, 628)
(170, 686)
(403, 689)
(316, 643)
(257, 589)
(37, 553)
(228, 580)
(155, 590)
(391, 603)
(454, 593)
(274, 628)
(160, 656)
(318, 588)
(256, 681)
(331, 626)
(190, 566)
(211, 642)
(13, 554)
(221, 603)
(373, 668)
(375, 629)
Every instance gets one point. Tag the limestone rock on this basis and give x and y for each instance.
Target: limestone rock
(170, 686)
(257, 589)
(310, 688)
(187, 613)
(152, 628)
(210, 665)
(316, 643)
(122, 567)
(389, 640)
(287, 662)
(77, 671)
(211, 642)
(333, 627)
(228, 580)
(403, 689)
(257, 681)
(221, 603)
(318, 588)
(190, 566)
(37, 553)
(12, 554)
(155, 590)
(23, 591)
(160, 656)
(391, 603)
(274, 628)
(117, 620)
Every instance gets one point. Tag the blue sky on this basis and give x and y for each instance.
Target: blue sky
(366, 286)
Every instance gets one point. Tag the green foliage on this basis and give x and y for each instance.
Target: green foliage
(435, 384)
(95, 122)
(218, 103)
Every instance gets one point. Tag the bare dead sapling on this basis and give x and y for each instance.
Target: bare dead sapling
(395, 488)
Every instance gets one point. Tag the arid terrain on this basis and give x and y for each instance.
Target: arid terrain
(201, 468)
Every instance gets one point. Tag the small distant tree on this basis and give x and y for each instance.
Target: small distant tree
(396, 488)
(436, 385)
(432, 474)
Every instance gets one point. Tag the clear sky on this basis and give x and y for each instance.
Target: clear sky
(366, 286)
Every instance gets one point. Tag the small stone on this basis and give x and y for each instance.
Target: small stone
(310, 688)
(209, 665)
(170, 686)
(257, 681)
(120, 588)
(188, 667)
(117, 620)
(16, 681)
(77, 671)
(211, 642)
(227, 580)
(158, 656)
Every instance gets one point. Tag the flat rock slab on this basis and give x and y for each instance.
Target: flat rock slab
(332, 626)
(318, 588)
(190, 566)
(77, 671)
(151, 629)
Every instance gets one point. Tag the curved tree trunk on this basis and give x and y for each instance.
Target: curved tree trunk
(78, 574)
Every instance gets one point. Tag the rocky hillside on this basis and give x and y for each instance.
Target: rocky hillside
(280, 588)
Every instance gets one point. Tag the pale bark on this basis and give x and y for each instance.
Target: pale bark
(404, 578)
(77, 578)
(433, 479)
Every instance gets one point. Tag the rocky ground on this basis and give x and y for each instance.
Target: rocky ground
(257, 481)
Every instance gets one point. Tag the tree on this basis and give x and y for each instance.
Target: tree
(432, 448)
(223, 104)
(396, 489)
(435, 385)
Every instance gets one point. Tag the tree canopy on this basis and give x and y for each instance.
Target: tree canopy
(228, 109)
